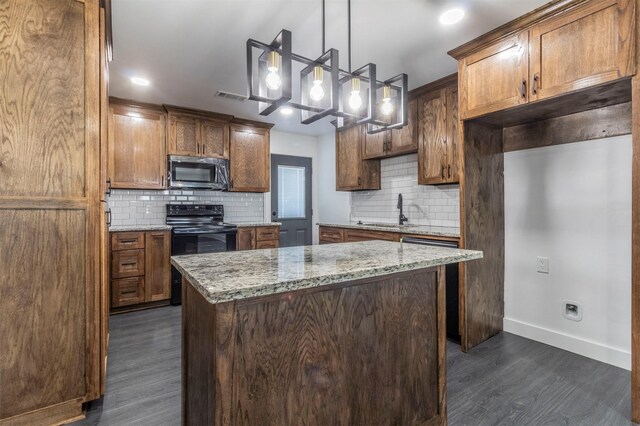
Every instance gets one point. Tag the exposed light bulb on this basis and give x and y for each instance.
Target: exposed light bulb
(452, 16)
(387, 107)
(273, 80)
(317, 93)
(355, 100)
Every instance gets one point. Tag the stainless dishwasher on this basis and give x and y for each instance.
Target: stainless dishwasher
(451, 273)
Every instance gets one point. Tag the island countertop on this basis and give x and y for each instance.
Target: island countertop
(223, 277)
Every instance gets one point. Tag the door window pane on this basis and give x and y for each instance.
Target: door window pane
(291, 196)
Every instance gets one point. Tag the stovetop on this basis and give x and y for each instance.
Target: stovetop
(197, 218)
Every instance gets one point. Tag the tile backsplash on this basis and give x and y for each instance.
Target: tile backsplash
(423, 205)
(142, 208)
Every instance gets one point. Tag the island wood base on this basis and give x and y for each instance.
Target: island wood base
(366, 352)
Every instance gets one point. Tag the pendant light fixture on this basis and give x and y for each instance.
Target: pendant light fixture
(353, 97)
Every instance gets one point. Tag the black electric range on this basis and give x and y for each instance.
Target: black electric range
(197, 228)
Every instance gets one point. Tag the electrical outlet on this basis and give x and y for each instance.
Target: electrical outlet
(543, 265)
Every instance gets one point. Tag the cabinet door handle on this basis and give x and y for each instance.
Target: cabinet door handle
(359, 181)
(449, 170)
(442, 172)
(231, 183)
(534, 84)
(108, 189)
(109, 217)
(523, 88)
(163, 185)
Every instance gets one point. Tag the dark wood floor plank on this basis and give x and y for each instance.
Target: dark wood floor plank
(507, 380)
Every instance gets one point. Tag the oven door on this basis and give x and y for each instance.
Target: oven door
(194, 172)
(196, 243)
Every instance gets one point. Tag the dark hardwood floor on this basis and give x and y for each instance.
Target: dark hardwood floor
(507, 380)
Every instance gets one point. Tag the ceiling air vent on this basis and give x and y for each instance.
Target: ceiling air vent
(232, 96)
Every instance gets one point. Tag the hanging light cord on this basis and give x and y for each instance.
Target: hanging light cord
(323, 29)
(349, 30)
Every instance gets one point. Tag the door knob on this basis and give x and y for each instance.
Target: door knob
(274, 213)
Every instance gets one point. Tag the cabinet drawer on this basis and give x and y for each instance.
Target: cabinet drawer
(354, 235)
(127, 263)
(127, 291)
(127, 240)
(265, 233)
(267, 244)
(331, 235)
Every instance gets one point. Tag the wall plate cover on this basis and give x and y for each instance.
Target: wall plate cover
(572, 311)
(542, 265)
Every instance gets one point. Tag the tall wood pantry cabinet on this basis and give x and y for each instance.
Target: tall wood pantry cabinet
(50, 108)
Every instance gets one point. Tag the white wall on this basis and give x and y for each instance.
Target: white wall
(572, 204)
(334, 206)
(299, 146)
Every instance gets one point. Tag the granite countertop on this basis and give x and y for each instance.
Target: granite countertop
(133, 228)
(247, 225)
(436, 231)
(222, 277)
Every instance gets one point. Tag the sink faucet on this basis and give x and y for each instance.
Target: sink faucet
(402, 218)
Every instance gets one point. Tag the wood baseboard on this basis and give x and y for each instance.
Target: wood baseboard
(59, 414)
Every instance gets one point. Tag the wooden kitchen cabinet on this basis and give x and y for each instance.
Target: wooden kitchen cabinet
(585, 47)
(258, 237)
(249, 157)
(353, 173)
(438, 136)
(197, 133)
(136, 145)
(392, 143)
(157, 266)
(140, 269)
(495, 77)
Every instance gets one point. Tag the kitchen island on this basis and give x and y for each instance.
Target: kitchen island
(341, 334)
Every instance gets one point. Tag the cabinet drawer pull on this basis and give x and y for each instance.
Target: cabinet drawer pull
(129, 263)
(534, 84)
(124, 293)
(128, 241)
(523, 88)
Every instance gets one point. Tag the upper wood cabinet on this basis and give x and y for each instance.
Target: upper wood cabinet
(550, 53)
(136, 145)
(197, 133)
(495, 78)
(250, 157)
(438, 137)
(392, 143)
(353, 172)
(585, 47)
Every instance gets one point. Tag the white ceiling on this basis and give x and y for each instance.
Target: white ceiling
(190, 49)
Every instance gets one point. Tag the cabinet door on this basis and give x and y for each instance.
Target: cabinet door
(432, 138)
(405, 140)
(585, 47)
(214, 139)
(375, 144)
(348, 159)
(183, 135)
(250, 159)
(495, 78)
(452, 155)
(246, 239)
(157, 282)
(136, 148)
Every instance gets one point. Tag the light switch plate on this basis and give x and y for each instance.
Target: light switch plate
(543, 265)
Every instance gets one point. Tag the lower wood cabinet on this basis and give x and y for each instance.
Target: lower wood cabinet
(258, 237)
(329, 235)
(140, 268)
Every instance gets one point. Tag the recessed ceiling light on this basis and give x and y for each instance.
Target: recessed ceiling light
(286, 111)
(452, 16)
(140, 81)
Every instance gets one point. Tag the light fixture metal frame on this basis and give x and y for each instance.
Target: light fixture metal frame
(282, 45)
(329, 62)
(400, 83)
(346, 119)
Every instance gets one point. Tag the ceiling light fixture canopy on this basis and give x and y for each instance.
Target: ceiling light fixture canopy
(452, 16)
(353, 97)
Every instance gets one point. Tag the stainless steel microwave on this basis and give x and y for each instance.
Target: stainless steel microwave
(198, 173)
